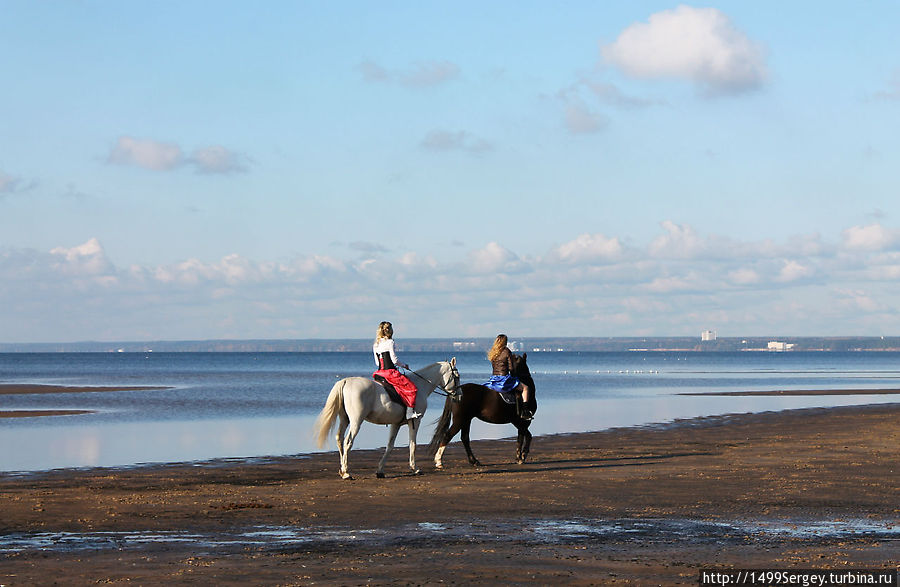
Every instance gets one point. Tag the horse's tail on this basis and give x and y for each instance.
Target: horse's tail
(328, 416)
(441, 428)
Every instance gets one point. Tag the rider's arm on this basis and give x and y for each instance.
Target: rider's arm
(394, 355)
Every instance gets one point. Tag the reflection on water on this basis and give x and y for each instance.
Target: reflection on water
(120, 444)
(222, 405)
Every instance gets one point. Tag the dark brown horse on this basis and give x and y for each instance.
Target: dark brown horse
(478, 401)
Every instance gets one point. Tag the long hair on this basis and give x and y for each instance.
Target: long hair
(499, 345)
(385, 330)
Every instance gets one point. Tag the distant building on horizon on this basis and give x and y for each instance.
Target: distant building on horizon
(708, 335)
(776, 345)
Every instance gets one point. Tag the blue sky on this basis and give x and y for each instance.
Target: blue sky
(193, 170)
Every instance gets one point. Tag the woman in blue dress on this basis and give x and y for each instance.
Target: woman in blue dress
(503, 379)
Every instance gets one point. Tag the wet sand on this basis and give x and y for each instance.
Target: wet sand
(813, 488)
(39, 413)
(27, 388)
(32, 388)
(791, 392)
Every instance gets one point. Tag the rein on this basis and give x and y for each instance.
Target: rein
(446, 392)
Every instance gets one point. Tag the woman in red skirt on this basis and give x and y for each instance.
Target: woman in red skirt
(386, 362)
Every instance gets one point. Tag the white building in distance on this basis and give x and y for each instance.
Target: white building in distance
(780, 346)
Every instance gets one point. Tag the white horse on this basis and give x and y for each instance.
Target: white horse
(355, 399)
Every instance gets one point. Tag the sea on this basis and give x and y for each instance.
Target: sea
(227, 406)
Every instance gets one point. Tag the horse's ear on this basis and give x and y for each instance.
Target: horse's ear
(453, 362)
(524, 356)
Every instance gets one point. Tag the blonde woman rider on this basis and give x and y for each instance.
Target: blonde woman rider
(386, 363)
(502, 378)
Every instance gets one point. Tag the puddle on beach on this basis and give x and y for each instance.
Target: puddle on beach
(533, 531)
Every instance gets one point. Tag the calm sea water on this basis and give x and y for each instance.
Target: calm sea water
(224, 405)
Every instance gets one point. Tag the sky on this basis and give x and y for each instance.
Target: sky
(204, 170)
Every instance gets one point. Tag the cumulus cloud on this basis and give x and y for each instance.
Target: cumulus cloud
(165, 156)
(873, 237)
(591, 285)
(589, 247)
(443, 140)
(419, 75)
(700, 45)
(793, 270)
(679, 240)
(146, 153)
(495, 258)
(88, 259)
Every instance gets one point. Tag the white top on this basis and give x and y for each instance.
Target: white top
(386, 345)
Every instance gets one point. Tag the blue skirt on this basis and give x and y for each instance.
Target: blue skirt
(505, 383)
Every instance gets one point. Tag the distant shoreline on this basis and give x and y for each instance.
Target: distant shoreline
(685, 344)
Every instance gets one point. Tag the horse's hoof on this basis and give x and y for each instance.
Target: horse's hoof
(476, 463)
(416, 472)
(380, 475)
(438, 466)
(346, 476)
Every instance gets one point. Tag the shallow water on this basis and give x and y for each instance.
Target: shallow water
(251, 404)
(546, 531)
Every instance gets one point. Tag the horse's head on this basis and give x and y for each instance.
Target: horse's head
(450, 377)
(520, 370)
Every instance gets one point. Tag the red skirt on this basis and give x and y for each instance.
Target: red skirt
(401, 383)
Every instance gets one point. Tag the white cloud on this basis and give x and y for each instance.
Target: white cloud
(589, 247)
(218, 159)
(670, 284)
(85, 259)
(794, 270)
(859, 300)
(679, 241)
(162, 156)
(494, 258)
(696, 44)
(744, 276)
(873, 237)
(146, 153)
(589, 285)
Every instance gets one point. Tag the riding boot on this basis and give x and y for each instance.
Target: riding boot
(522, 410)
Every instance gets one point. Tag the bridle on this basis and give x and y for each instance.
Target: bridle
(451, 393)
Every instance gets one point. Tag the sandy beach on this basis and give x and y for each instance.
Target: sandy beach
(798, 489)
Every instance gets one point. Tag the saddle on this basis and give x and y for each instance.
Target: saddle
(392, 393)
(510, 397)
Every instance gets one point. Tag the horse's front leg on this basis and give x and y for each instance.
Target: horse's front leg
(413, 430)
(392, 436)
